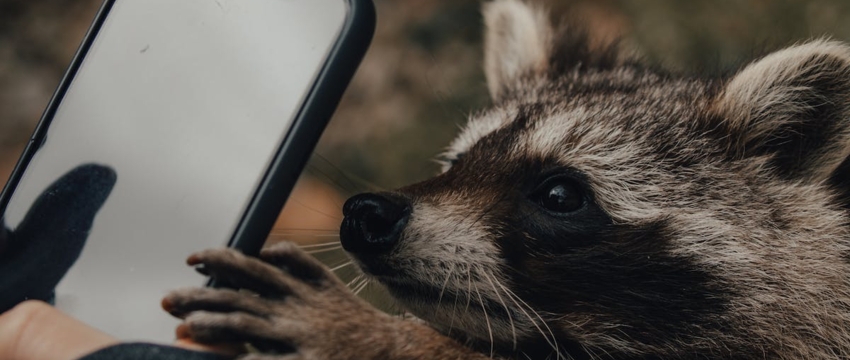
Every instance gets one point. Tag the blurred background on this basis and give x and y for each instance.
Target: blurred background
(419, 81)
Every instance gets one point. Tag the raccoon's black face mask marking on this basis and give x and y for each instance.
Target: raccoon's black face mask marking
(514, 231)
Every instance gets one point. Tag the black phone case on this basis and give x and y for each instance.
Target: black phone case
(292, 154)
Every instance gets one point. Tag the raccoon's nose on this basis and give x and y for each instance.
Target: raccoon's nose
(373, 222)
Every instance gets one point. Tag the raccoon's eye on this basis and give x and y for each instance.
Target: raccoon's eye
(560, 195)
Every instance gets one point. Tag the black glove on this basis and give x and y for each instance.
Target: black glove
(37, 254)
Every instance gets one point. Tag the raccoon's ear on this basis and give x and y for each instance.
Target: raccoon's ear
(793, 106)
(517, 43)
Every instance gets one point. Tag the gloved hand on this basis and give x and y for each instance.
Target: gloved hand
(36, 255)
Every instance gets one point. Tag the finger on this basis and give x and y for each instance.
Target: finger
(295, 261)
(240, 271)
(216, 328)
(180, 303)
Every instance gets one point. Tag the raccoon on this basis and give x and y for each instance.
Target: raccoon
(600, 209)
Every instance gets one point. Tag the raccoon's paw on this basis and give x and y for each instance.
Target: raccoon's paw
(298, 307)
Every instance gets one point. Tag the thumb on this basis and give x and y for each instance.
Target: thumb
(51, 236)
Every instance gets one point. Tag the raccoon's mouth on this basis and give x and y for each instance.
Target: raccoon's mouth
(415, 292)
(407, 288)
(399, 283)
(375, 266)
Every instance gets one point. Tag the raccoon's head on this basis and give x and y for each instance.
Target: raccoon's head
(604, 209)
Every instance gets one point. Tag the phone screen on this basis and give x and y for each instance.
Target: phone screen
(187, 102)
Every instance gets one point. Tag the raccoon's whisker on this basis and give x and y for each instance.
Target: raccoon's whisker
(342, 266)
(304, 235)
(356, 288)
(351, 178)
(299, 231)
(362, 286)
(319, 251)
(454, 311)
(553, 342)
(356, 279)
(317, 248)
(320, 212)
(468, 288)
(593, 354)
(333, 181)
(446, 282)
(522, 308)
(508, 311)
(334, 244)
(356, 181)
(487, 320)
(454, 308)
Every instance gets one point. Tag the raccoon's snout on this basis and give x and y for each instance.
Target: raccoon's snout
(373, 222)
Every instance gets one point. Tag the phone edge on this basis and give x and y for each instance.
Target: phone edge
(312, 118)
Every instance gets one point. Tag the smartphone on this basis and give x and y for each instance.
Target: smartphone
(204, 113)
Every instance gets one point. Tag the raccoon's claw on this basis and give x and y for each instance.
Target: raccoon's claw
(207, 327)
(181, 303)
(290, 258)
(298, 306)
(236, 270)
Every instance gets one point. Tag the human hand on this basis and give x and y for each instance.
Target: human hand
(34, 330)
(38, 253)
